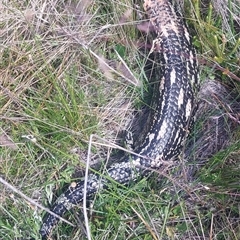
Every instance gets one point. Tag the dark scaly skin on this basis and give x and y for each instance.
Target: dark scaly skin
(173, 105)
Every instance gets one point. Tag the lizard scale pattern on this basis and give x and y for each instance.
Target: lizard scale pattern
(173, 108)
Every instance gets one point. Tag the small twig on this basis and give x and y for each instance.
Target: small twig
(145, 223)
(8, 185)
(211, 228)
(218, 67)
(85, 189)
(113, 145)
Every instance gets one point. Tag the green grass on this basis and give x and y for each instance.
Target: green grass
(56, 86)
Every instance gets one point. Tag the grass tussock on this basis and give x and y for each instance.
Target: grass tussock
(70, 69)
